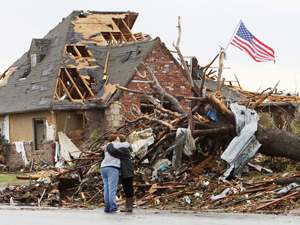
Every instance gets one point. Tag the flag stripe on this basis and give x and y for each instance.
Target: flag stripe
(248, 43)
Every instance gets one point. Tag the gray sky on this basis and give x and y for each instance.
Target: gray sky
(206, 25)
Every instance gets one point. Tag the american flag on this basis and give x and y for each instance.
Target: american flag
(246, 41)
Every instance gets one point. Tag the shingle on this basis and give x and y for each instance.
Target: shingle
(35, 92)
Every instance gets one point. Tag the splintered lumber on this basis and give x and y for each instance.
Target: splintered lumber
(278, 200)
(262, 98)
(28, 177)
(155, 146)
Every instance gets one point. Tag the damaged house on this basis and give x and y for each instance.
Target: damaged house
(72, 83)
(277, 111)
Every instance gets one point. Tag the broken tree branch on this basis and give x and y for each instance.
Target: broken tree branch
(185, 67)
(263, 97)
(176, 106)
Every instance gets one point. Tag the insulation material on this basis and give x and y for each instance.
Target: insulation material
(140, 140)
(20, 149)
(68, 149)
(50, 132)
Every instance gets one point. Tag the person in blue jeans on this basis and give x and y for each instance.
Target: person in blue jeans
(110, 170)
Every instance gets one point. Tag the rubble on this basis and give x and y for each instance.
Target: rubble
(203, 158)
(196, 185)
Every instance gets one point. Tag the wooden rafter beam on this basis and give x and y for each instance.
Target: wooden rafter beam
(77, 51)
(132, 36)
(123, 37)
(86, 84)
(113, 38)
(106, 62)
(140, 35)
(76, 82)
(64, 87)
(74, 85)
(56, 95)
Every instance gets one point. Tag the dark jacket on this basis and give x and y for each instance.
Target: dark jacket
(127, 169)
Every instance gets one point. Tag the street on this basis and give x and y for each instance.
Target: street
(50, 216)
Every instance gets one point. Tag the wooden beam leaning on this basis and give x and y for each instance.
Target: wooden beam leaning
(123, 37)
(64, 87)
(86, 84)
(106, 62)
(140, 35)
(74, 85)
(113, 38)
(220, 70)
(77, 51)
(132, 36)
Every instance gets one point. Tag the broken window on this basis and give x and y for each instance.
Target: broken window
(26, 72)
(73, 86)
(39, 132)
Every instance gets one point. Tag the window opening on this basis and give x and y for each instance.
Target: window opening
(39, 129)
(33, 60)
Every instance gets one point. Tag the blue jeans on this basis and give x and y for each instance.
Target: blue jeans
(110, 176)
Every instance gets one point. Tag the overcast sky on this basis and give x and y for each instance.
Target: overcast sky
(206, 25)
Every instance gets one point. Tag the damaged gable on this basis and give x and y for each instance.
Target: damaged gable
(104, 29)
(74, 62)
(85, 62)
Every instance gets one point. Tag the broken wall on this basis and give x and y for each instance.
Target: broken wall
(96, 122)
(37, 156)
(22, 129)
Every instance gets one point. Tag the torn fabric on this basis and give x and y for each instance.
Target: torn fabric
(20, 149)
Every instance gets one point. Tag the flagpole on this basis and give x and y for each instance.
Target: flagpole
(233, 34)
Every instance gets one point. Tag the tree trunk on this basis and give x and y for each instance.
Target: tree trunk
(279, 143)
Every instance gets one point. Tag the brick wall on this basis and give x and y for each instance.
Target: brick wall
(169, 75)
(15, 159)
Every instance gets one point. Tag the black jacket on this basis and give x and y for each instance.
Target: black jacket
(127, 169)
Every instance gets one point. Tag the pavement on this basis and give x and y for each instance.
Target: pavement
(11, 215)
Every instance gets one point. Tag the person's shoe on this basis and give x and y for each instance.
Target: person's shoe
(114, 211)
(128, 205)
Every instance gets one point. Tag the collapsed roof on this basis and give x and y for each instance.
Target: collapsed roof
(68, 68)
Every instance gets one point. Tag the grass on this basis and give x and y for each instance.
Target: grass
(8, 178)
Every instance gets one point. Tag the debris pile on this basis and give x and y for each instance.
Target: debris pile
(170, 172)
